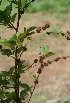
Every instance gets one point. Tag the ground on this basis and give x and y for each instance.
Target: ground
(55, 79)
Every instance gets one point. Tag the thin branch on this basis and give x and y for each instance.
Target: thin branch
(40, 71)
(29, 67)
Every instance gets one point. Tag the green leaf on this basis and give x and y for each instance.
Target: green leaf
(25, 86)
(19, 50)
(14, 37)
(13, 56)
(11, 70)
(8, 9)
(44, 50)
(50, 54)
(22, 93)
(19, 71)
(10, 95)
(7, 42)
(4, 73)
(15, 2)
(21, 65)
(9, 86)
(6, 52)
(31, 29)
(2, 94)
(32, 75)
(0, 2)
(26, 33)
(23, 3)
(13, 17)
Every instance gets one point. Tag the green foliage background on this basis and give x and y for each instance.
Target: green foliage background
(60, 6)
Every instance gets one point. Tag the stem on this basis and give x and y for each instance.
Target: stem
(16, 66)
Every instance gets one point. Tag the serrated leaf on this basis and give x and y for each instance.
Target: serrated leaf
(25, 86)
(10, 95)
(4, 73)
(11, 70)
(7, 42)
(13, 17)
(19, 50)
(14, 37)
(21, 65)
(31, 29)
(9, 86)
(22, 93)
(8, 9)
(6, 52)
(44, 50)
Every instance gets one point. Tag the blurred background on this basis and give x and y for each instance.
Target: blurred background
(54, 82)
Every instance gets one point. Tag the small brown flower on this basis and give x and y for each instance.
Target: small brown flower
(68, 38)
(29, 37)
(47, 25)
(42, 65)
(39, 70)
(24, 48)
(56, 59)
(45, 64)
(64, 57)
(48, 33)
(38, 30)
(68, 32)
(44, 28)
(36, 60)
(62, 33)
(42, 58)
(49, 62)
(36, 81)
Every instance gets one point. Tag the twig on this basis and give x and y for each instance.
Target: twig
(40, 71)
